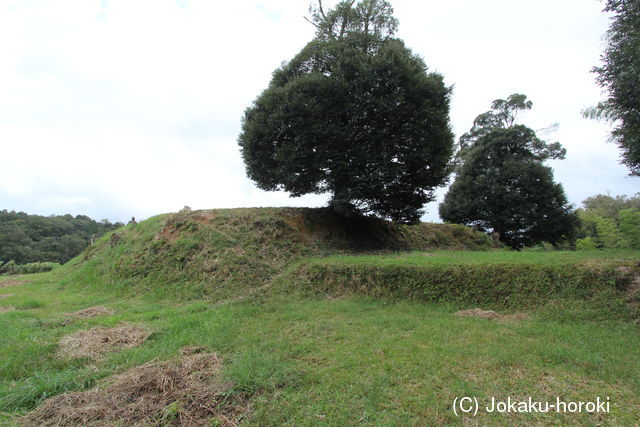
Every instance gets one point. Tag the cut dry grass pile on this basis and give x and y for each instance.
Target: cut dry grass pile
(89, 312)
(96, 342)
(490, 314)
(185, 391)
(5, 295)
(6, 309)
(11, 282)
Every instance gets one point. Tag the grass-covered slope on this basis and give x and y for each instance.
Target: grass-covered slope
(597, 284)
(230, 253)
(223, 253)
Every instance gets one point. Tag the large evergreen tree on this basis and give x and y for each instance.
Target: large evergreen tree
(355, 114)
(619, 75)
(501, 183)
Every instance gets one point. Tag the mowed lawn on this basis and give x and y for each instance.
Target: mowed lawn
(305, 360)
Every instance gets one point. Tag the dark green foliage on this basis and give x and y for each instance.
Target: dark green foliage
(503, 115)
(620, 77)
(501, 184)
(355, 114)
(28, 238)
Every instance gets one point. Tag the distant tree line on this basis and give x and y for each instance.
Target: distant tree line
(28, 238)
(609, 222)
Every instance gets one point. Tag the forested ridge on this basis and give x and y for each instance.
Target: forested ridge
(26, 238)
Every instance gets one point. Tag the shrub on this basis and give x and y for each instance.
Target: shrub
(33, 267)
(586, 244)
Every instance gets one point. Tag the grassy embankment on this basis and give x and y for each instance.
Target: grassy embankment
(334, 354)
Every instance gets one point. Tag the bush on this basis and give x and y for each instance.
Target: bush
(9, 268)
(586, 244)
(33, 267)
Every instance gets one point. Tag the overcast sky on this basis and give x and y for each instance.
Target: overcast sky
(120, 108)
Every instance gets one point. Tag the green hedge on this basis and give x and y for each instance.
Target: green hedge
(33, 267)
(492, 285)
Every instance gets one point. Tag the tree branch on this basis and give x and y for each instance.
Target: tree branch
(312, 23)
(321, 10)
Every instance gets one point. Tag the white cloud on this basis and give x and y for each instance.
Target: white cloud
(120, 108)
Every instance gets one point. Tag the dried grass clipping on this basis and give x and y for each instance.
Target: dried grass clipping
(187, 391)
(490, 314)
(11, 282)
(96, 342)
(89, 312)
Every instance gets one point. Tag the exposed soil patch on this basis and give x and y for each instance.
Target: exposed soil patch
(89, 312)
(11, 282)
(632, 277)
(6, 309)
(96, 342)
(182, 221)
(490, 314)
(187, 391)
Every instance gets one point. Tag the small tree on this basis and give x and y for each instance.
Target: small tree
(502, 185)
(608, 235)
(630, 226)
(355, 114)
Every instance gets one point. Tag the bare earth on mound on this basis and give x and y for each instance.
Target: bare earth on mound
(490, 314)
(96, 342)
(186, 391)
(89, 312)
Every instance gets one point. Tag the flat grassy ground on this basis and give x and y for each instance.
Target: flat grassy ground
(306, 360)
(505, 256)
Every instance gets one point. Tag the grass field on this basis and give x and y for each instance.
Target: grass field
(527, 257)
(306, 359)
(312, 328)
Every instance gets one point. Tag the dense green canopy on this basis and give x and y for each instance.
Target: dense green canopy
(355, 114)
(501, 184)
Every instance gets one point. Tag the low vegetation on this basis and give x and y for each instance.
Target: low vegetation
(366, 344)
(603, 285)
(32, 267)
(224, 253)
